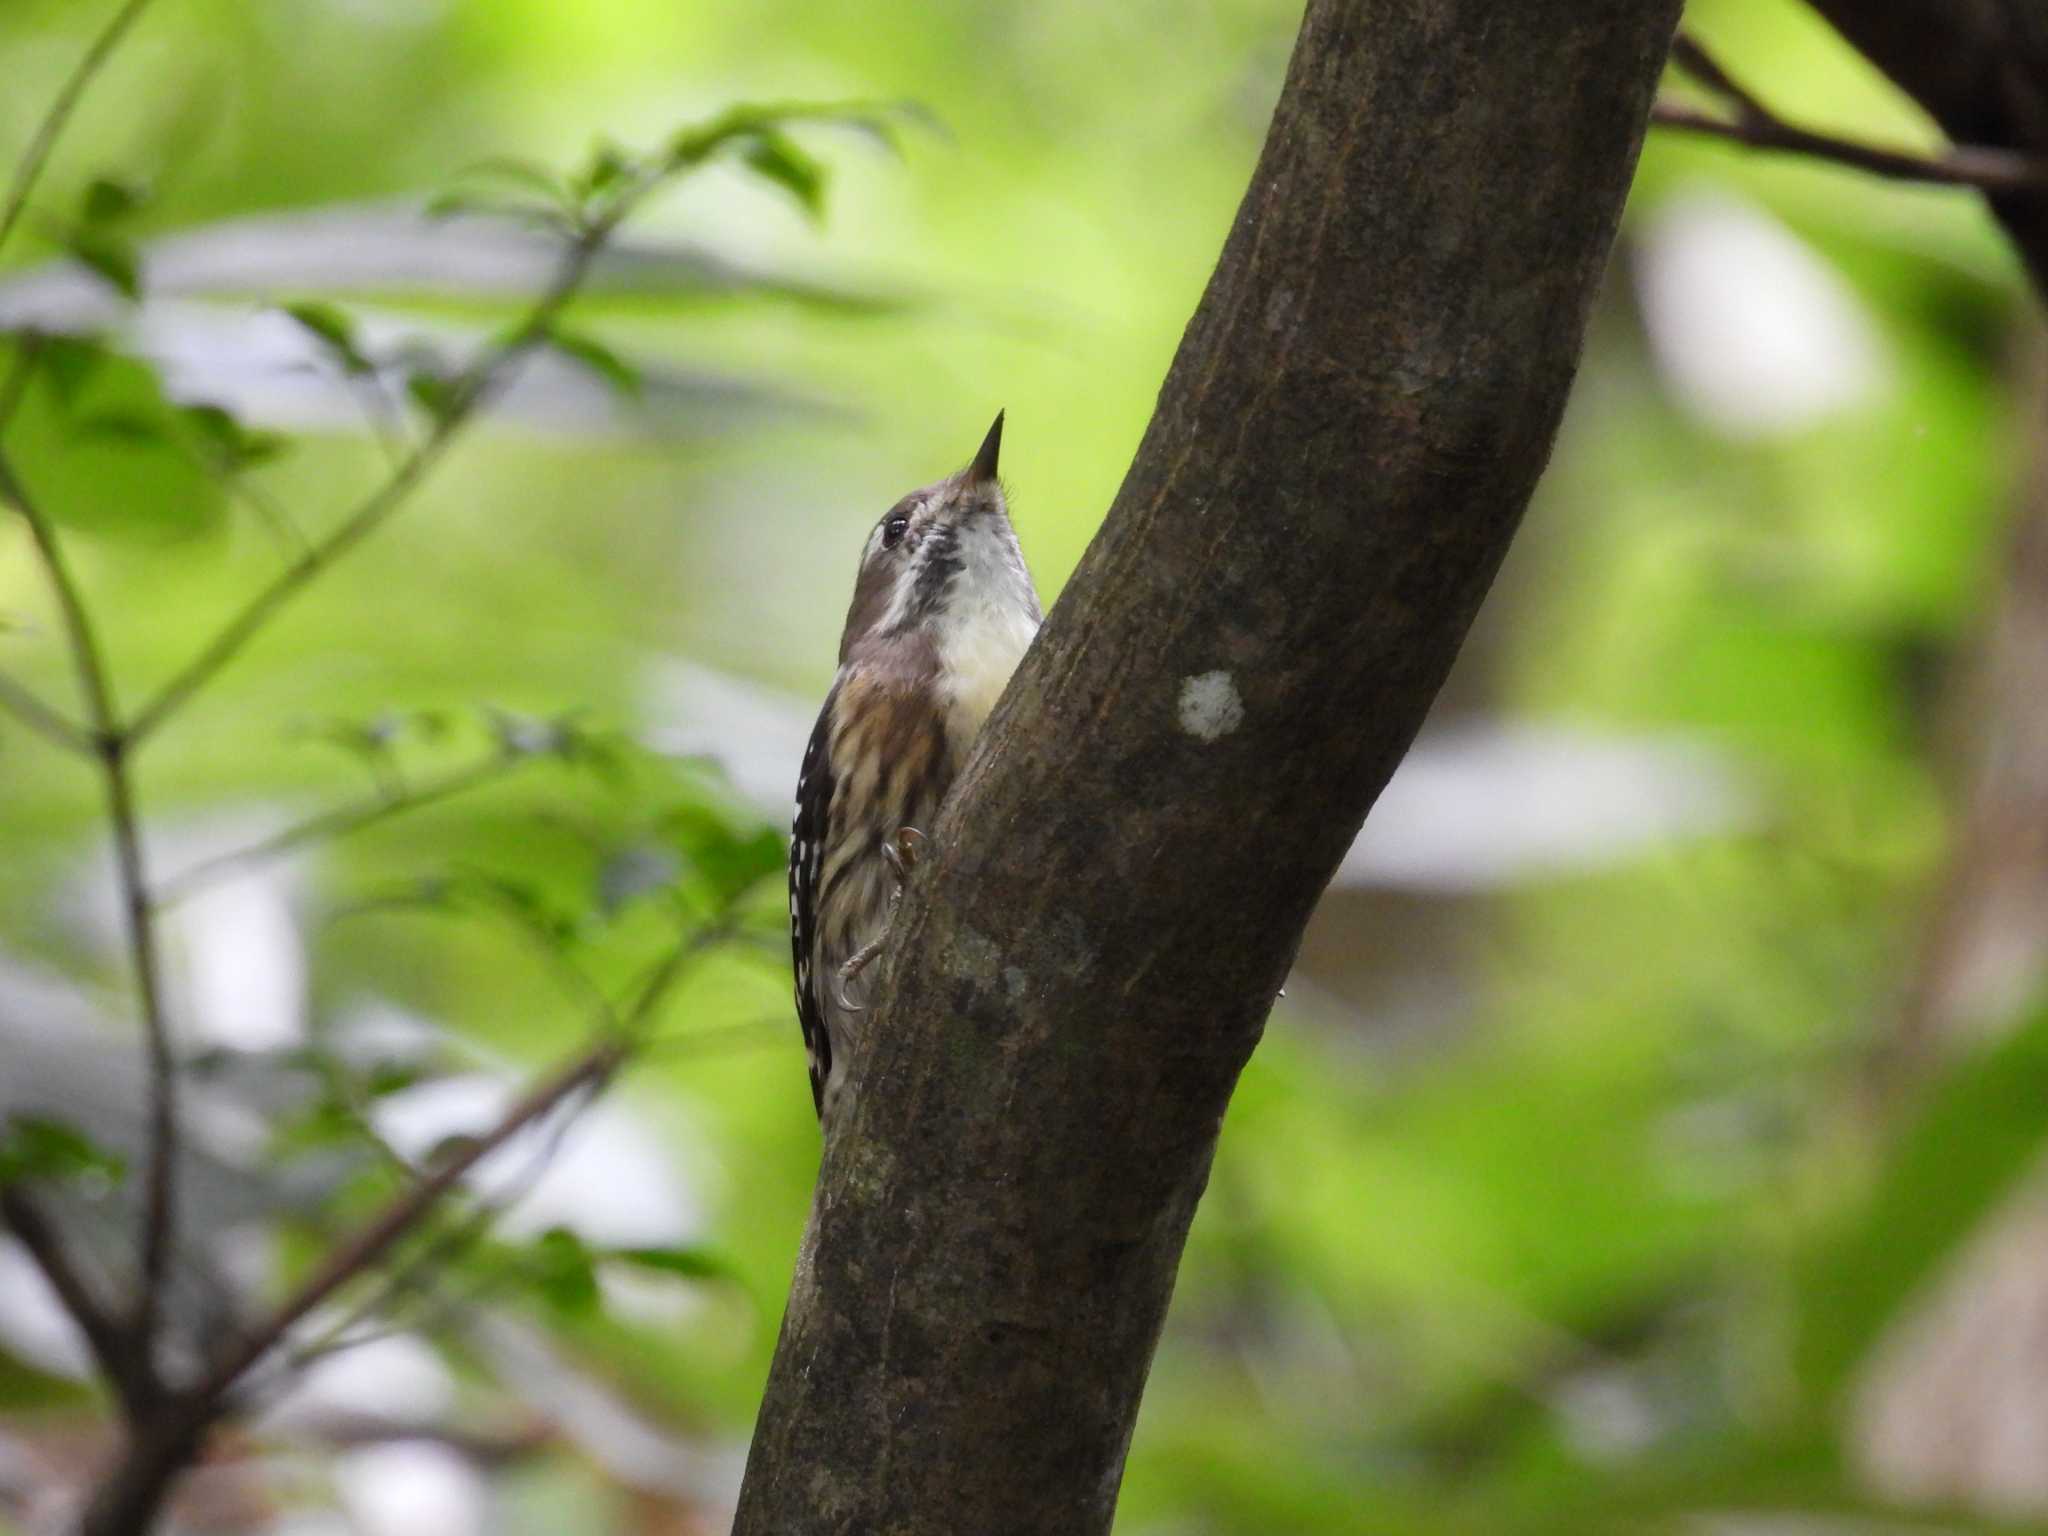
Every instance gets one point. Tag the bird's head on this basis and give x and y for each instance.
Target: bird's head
(940, 556)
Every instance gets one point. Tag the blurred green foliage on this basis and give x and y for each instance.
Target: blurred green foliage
(1602, 1250)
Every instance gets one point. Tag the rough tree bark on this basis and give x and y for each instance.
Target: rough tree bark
(1340, 454)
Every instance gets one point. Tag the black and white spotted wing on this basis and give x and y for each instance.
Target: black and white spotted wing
(807, 833)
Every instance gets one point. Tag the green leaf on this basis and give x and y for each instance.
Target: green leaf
(107, 201)
(328, 1125)
(527, 904)
(600, 359)
(34, 1147)
(70, 363)
(333, 330)
(689, 1262)
(530, 174)
(457, 203)
(1981, 1130)
(609, 167)
(232, 446)
(391, 1077)
(528, 735)
(107, 451)
(564, 1272)
(368, 741)
(633, 872)
(726, 860)
(137, 428)
(747, 124)
(109, 256)
(451, 204)
(438, 397)
(778, 157)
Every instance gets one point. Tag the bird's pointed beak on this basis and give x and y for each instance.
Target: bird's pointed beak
(983, 469)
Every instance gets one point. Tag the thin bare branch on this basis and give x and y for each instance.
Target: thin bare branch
(233, 482)
(111, 744)
(28, 351)
(42, 719)
(1986, 170)
(338, 823)
(14, 698)
(1756, 125)
(30, 170)
(416, 1275)
(1690, 55)
(110, 1346)
(86, 656)
(266, 507)
(492, 1447)
(159, 1232)
(381, 414)
(590, 1069)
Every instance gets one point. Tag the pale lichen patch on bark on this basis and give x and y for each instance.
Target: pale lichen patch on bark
(1210, 706)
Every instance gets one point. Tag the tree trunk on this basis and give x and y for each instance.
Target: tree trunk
(1340, 454)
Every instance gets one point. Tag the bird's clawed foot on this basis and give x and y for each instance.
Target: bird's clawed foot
(901, 853)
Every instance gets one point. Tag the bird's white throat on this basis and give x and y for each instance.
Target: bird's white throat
(983, 628)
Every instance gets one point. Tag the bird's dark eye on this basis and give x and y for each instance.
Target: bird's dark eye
(892, 531)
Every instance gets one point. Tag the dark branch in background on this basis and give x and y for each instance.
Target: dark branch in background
(41, 718)
(1987, 170)
(111, 746)
(28, 351)
(14, 698)
(340, 822)
(239, 487)
(104, 1334)
(52, 126)
(617, 1037)
(1338, 460)
(589, 1069)
(88, 660)
(170, 1437)
(1981, 72)
(1754, 124)
(417, 1274)
(136, 1378)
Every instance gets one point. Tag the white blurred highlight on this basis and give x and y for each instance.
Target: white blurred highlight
(242, 964)
(1756, 334)
(1478, 806)
(34, 1327)
(399, 1379)
(600, 1172)
(412, 1488)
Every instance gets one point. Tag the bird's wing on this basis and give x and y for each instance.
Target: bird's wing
(814, 789)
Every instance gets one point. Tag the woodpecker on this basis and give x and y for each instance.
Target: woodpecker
(943, 610)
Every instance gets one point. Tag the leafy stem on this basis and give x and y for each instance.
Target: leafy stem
(30, 170)
(339, 822)
(111, 743)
